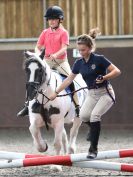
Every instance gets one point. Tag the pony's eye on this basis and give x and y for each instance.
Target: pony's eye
(27, 70)
(40, 70)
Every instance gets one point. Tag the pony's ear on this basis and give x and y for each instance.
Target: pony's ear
(27, 53)
(42, 54)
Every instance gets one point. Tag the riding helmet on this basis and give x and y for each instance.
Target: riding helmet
(54, 12)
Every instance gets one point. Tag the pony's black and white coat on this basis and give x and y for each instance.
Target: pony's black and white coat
(59, 111)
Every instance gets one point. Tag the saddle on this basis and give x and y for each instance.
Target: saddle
(70, 88)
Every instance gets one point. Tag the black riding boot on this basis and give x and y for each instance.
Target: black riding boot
(95, 128)
(24, 111)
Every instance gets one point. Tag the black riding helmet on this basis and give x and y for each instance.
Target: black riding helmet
(54, 12)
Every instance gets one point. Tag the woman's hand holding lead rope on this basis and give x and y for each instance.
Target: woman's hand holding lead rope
(53, 96)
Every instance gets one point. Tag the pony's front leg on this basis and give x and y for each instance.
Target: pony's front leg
(36, 122)
(65, 141)
(58, 130)
(73, 135)
(39, 143)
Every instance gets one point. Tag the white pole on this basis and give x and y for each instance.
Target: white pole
(11, 163)
(5, 155)
(11, 155)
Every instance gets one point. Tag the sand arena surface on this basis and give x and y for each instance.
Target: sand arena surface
(19, 140)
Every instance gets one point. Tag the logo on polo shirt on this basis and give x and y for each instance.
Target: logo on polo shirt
(93, 66)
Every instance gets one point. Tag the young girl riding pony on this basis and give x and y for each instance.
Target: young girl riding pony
(54, 40)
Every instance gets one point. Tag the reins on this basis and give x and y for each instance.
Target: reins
(62, 95)
(71, 93)
(43, 95)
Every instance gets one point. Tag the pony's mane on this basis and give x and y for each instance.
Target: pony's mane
(32, 59)
(29, 60)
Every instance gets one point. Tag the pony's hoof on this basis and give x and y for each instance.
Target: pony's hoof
(56, 168)
(46, 148)
(71, 150)
(42, 148)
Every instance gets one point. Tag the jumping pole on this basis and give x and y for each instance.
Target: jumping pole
(97, 164)
(74, 157)
(77, 160)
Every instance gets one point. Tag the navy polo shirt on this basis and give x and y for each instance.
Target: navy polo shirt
(96, 65)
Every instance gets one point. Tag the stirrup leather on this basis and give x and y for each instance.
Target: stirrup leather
(77, 110)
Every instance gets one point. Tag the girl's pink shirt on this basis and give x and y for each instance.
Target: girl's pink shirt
(53, 40)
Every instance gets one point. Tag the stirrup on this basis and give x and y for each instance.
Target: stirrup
(23, 112)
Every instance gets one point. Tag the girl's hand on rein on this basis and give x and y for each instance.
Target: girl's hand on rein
(53, 56)
(53, 96)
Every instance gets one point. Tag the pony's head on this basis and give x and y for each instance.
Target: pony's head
(35, 74)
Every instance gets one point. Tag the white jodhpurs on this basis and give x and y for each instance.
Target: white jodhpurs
(97, 103)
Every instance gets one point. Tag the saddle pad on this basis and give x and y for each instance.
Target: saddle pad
(63, 77)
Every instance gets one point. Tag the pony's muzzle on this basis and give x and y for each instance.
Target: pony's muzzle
(31, 88)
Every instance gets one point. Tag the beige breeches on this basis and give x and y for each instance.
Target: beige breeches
(61, 65)
(97, 103)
